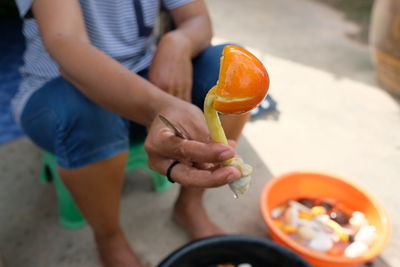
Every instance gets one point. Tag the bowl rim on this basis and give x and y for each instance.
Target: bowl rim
(226, 239)
(298, 248)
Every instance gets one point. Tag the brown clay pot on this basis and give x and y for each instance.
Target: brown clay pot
(385, 43)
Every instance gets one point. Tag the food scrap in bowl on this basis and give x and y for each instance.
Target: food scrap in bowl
(325, 226)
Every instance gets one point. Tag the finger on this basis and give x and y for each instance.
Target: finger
(178, 93)
(184, 93)
(188, 94)
(205, 165)
(189, 176)
(174, 92)
(174, 147)
(188, 88)
(232, 143)
(181, 93)
(168, 90)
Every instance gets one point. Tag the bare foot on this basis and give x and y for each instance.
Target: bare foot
(192, 216)
(114, 251)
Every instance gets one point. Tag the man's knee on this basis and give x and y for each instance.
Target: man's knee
(90, 133)
(77, 130)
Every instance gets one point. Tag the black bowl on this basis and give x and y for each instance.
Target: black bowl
(233, 249)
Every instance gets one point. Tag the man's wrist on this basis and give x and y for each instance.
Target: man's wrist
(162, 102)
(178, 40)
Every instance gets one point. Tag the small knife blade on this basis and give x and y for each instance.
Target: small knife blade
(177, 129)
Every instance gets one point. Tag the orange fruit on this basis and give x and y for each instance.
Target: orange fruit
(243, 81)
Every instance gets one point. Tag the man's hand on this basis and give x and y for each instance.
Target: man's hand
(164, 148)
(171, 69)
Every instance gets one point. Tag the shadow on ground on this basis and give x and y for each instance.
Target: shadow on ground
(310, 33)
(31, 236)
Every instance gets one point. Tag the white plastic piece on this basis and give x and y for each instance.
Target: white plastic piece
(294, 213)
(358, 220)
(323, 218)
(335, 237)
(298, 205)
(348, 230)
(245, 265)
(322, 242)
(291, 216)
(316, 225)
(306, 233)
(277, 212)
(366, 234)
(356, 249)
(358, 214)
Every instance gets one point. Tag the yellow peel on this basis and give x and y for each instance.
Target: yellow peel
(233, 99)
(212, 119)
(217, 133)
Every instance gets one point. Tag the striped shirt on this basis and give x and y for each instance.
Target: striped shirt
(123, 29)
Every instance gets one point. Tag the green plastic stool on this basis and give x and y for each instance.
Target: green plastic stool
(70, 216)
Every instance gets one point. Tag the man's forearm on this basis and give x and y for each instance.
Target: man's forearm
(198, 32)
(194, 25)
(106, 82)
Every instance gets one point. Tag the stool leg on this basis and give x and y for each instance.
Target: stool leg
(138, 159)
(160, 182)
(46, 174)
(70, 216)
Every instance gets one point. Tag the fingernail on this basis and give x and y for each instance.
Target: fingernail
(231, 178)
(226, 155)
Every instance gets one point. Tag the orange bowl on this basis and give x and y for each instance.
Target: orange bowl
(321, 186)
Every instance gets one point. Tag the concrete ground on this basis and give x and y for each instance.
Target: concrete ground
(332, 118)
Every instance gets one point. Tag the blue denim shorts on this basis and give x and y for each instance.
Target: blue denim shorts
(61, 120)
